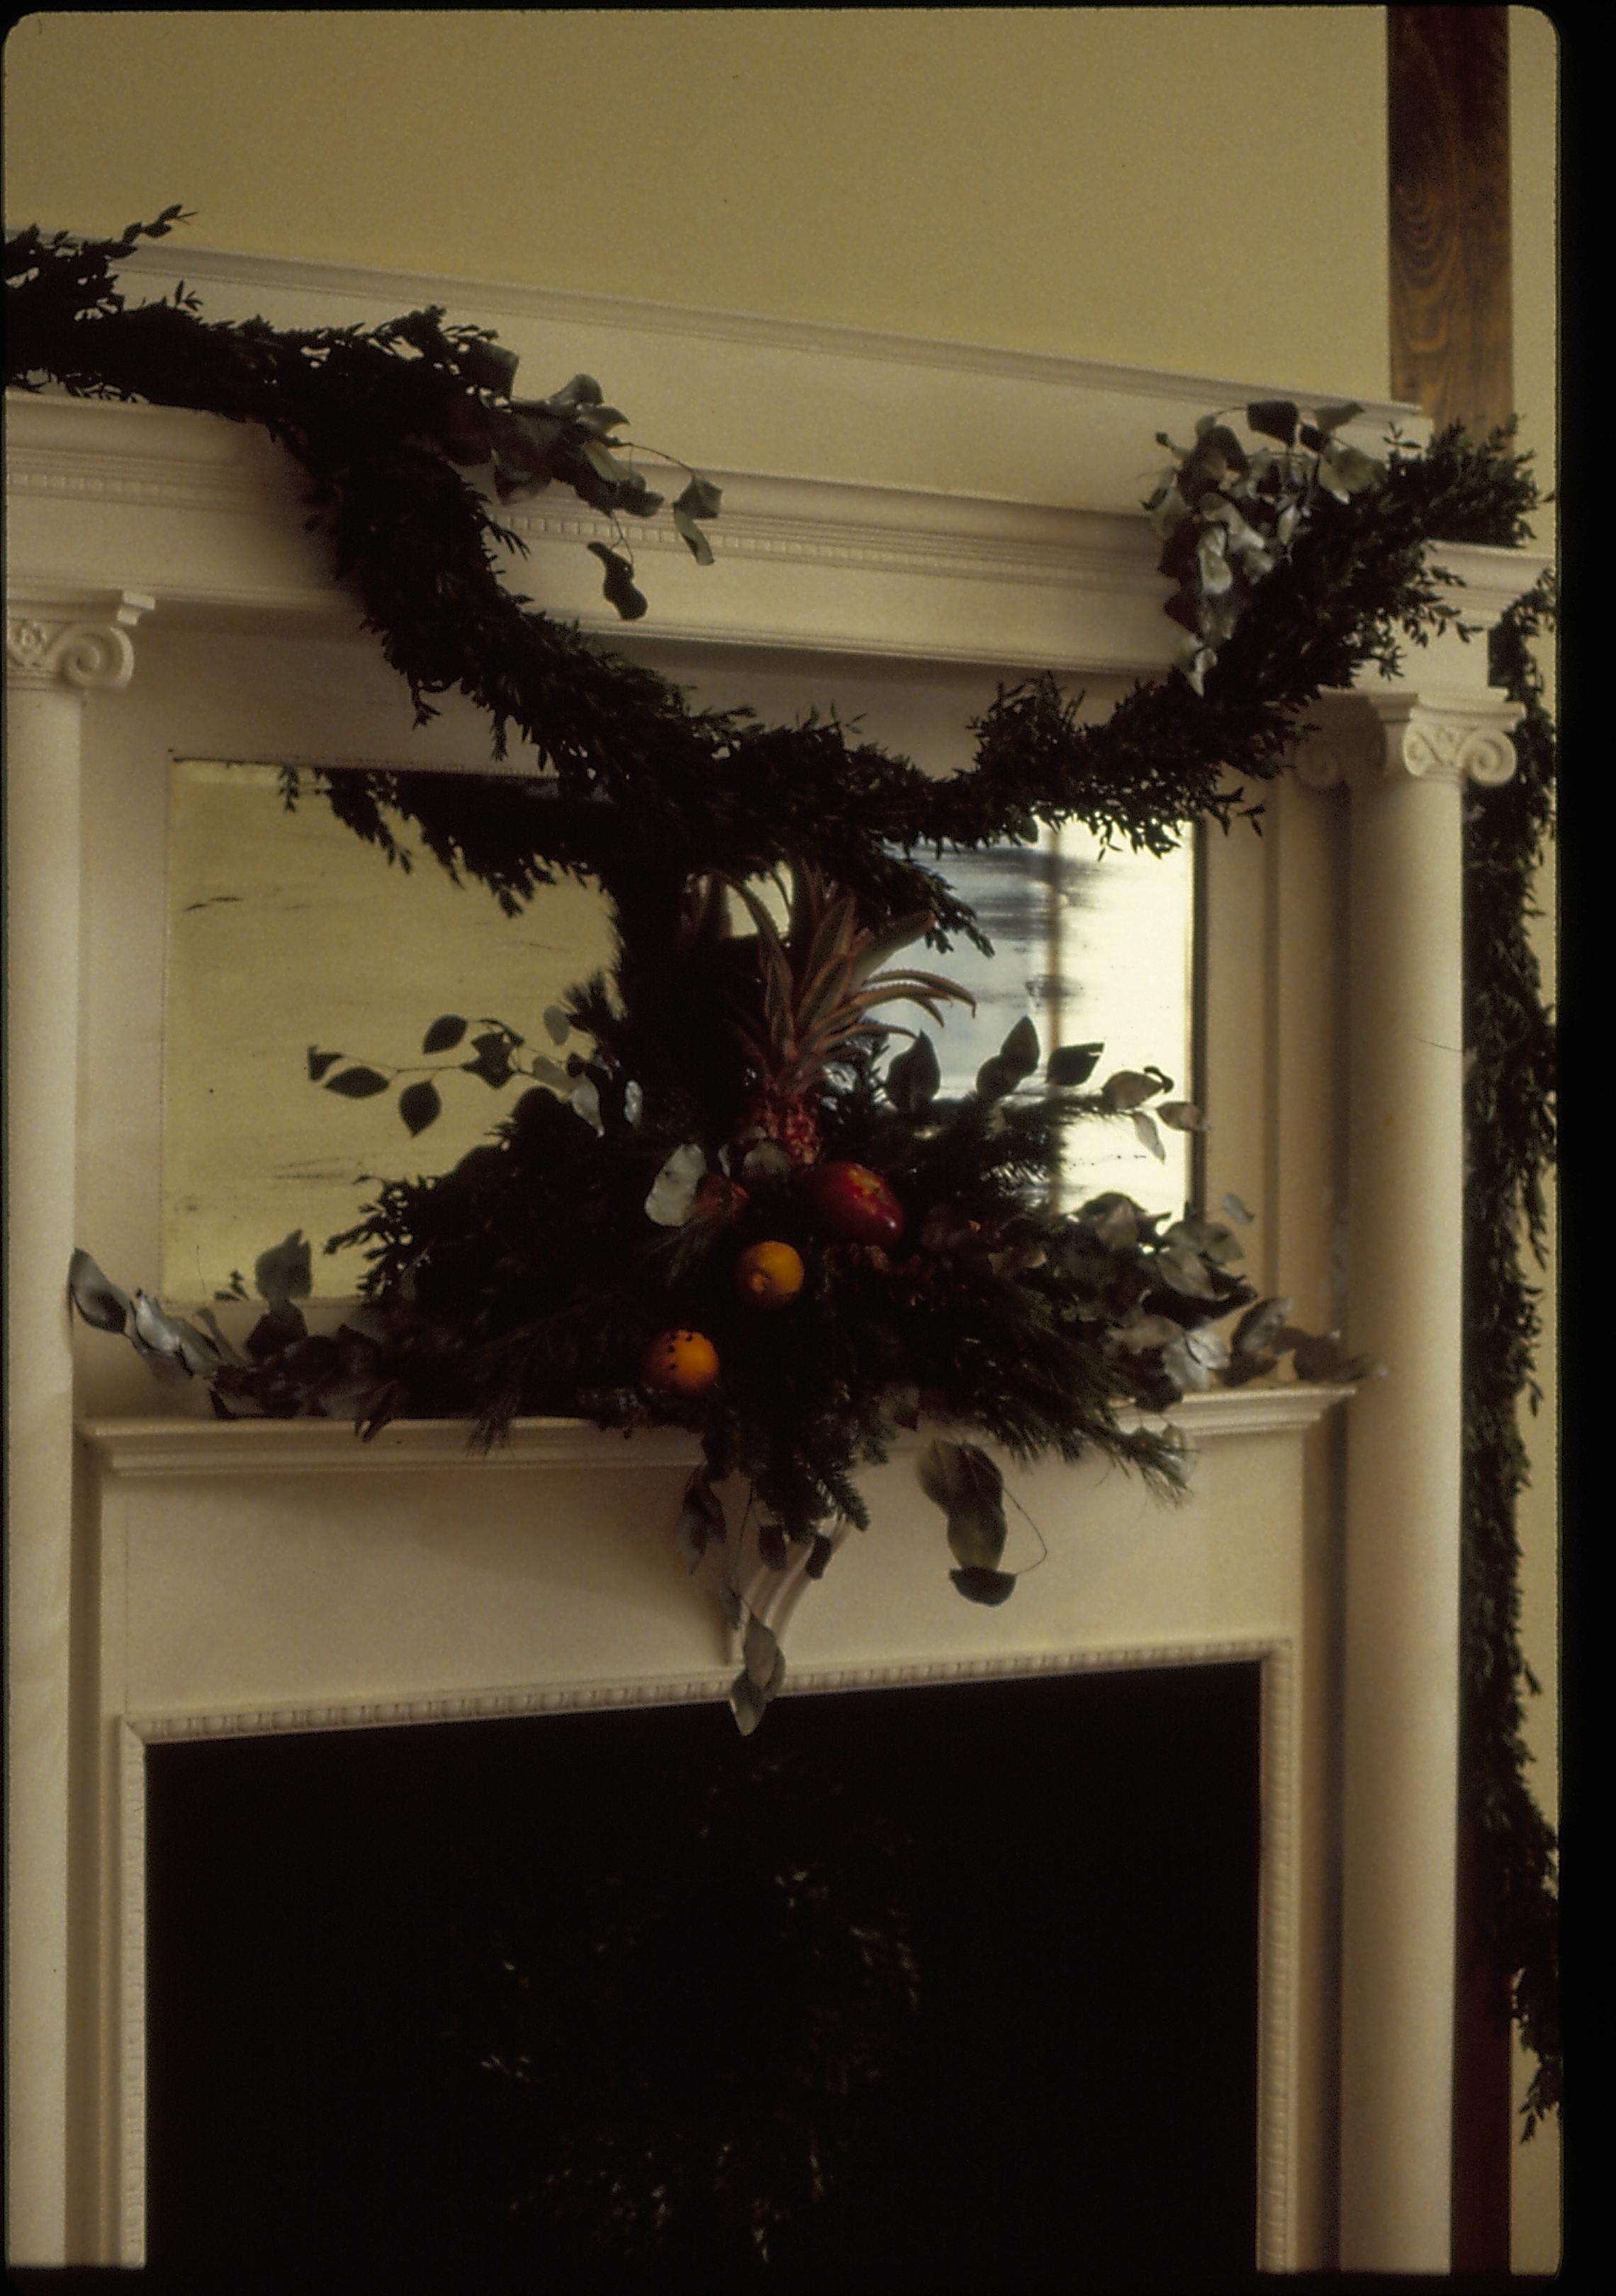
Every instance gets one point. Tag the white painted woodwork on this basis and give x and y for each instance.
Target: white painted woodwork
(61, 642)
(1407, 753)
(268, 1577)
(886, 503)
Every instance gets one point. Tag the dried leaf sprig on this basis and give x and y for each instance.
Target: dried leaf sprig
(1227, 515)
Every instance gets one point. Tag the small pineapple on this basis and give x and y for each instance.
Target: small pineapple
(815, 990)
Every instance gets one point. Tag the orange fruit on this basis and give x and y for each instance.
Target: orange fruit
(679, 1363)
(769, 1275)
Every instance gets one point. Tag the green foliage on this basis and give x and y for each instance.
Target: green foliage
(530, 1279)
(640, 791)
(1226, 516)
(1510, 1111)
(364, 410)
(498, 1059)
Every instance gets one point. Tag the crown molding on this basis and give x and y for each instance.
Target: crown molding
(790, 397)
(206, 515)
(483, 302)
(884, 494)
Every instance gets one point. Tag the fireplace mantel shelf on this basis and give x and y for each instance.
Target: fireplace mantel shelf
(170, 1446)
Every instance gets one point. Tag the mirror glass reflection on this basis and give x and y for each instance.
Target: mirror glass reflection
(288, 937)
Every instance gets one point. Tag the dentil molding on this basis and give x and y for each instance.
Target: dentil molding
(208, 516)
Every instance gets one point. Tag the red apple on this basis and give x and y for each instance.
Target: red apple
(854, 1205)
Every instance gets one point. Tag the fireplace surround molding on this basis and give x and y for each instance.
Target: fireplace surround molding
(149, 1590)
(536, 1554)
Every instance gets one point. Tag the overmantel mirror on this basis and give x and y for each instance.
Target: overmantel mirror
(297, 959)
(193, 1587)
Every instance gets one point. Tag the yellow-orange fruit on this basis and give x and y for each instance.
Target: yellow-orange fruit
(769, 1275)
(679, 1363)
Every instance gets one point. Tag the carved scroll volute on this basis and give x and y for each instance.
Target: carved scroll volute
(1346, 746)
(1365, 738)
(80, 642)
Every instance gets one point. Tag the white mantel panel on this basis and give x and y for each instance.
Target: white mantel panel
(379, 1576)
(306, 1590)
(1123, 1571)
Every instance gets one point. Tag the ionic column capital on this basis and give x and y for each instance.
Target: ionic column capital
(81, 640)
(1389, 736)
(1437, 719)
(1436, 739)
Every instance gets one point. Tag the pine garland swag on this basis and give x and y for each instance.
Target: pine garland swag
(385, 422)
(640, 793)
(1511, 1142)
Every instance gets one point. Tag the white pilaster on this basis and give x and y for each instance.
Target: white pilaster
(1407, 751)
(58, 646)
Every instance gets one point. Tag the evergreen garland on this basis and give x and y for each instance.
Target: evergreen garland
(643, 794)
(637, 786)
(1511, 1137)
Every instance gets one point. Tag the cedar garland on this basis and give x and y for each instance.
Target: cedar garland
(1510, 1136)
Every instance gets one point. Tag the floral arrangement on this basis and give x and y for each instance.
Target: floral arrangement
(735, 1209)
(741, 1217)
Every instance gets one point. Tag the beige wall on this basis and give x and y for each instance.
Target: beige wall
(1192, 188)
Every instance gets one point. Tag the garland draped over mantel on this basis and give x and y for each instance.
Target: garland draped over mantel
(1300, 562)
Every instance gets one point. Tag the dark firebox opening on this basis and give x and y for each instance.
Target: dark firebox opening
(1072, 1861)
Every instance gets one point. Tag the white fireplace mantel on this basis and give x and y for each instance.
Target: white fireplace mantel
(928, 503)
(274, 1576)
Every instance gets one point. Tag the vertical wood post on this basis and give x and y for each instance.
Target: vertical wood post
(1448, 137)
(1452, 317)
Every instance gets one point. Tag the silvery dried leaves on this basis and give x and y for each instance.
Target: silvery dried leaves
(1194, 1358)
(962, 1480)
(672, 1198)
(1226, 518)
(761, 1677)
(169, 1346)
